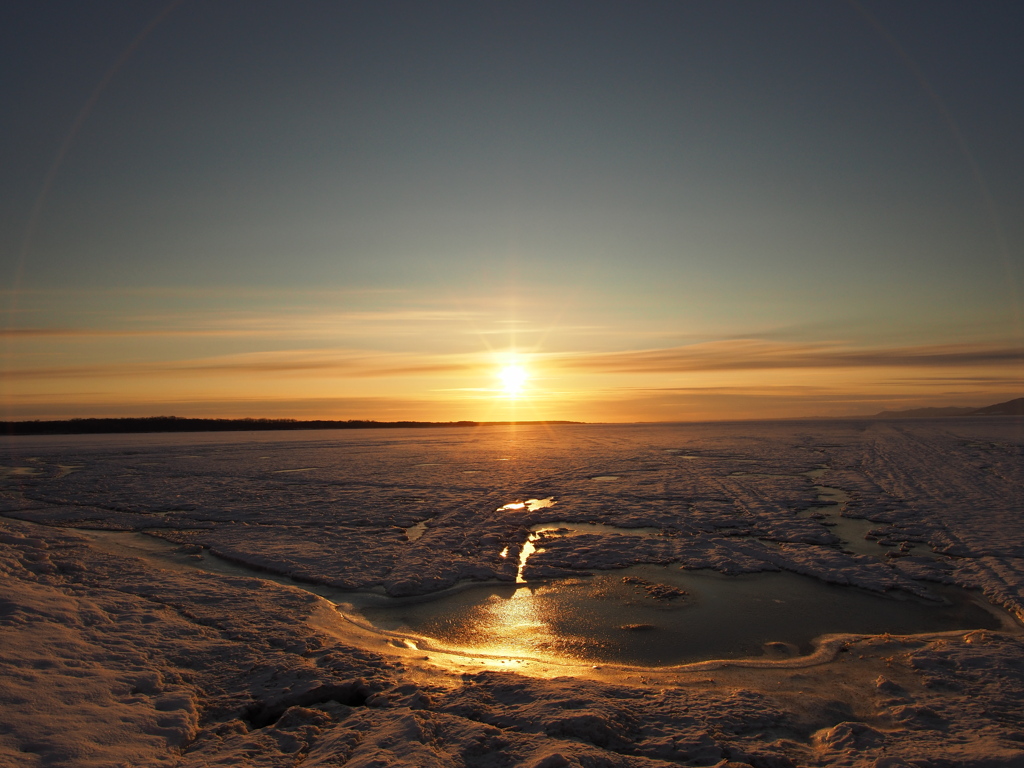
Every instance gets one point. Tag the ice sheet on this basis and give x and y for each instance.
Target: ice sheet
(108, 660)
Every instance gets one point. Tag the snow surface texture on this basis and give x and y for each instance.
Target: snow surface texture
(110, 660)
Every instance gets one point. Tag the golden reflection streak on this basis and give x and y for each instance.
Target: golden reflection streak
(513, 627)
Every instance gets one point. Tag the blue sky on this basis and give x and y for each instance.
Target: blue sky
(366, 210)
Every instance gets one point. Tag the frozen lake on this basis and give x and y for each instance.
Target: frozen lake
(762, 526)
(529, 591)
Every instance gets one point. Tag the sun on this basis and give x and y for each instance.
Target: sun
(513, 379)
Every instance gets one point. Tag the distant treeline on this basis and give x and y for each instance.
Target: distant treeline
(179, 424)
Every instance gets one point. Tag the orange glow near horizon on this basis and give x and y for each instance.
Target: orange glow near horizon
(48, 377)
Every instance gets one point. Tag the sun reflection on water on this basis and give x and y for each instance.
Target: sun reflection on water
(513, 626)
(524, 554)
(530, 505)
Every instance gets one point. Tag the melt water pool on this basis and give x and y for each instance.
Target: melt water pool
(657, 616)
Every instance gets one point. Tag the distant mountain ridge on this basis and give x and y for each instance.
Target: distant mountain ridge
(1009, 408)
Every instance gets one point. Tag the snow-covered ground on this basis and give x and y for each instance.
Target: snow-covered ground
(109, 659)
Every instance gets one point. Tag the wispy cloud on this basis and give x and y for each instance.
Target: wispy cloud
(721, 356)
(380, 408)
(239, 324)
(213, 292)
(750, 354)
(332, 362)
(104, 333)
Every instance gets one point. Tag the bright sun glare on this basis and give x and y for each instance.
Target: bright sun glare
(513, 379)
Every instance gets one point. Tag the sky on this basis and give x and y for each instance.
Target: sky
(597, 211)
